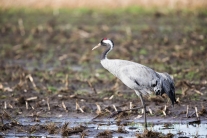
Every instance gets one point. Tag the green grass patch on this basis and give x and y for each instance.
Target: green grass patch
(105, 93)
(195, 97)
(191, 75)
(52, 89)
(143, 51)
(81, 92)
(83, 10)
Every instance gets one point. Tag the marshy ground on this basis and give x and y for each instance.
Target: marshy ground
(52, 84)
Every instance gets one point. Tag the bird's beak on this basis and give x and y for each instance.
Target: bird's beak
(97, 46)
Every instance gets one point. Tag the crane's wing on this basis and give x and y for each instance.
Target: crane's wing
(138, 77)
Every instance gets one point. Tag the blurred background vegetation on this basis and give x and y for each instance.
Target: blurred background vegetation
(106, 4)
(57, 36)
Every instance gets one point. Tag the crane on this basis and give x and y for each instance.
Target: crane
(142, 79)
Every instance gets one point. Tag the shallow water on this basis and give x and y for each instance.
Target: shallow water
(95, 126)
(183, 129)
(179, 130)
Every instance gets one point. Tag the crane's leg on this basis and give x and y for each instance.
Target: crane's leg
(144, 107)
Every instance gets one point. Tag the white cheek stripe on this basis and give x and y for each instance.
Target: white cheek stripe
(108, 42)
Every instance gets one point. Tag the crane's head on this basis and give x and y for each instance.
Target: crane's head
(105, 42)
(157, 86)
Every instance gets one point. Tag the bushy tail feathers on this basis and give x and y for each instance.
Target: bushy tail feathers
(168, 86)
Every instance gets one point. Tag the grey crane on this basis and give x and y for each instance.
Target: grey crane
(143, 80)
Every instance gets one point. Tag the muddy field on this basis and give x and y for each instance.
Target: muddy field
(52, 84)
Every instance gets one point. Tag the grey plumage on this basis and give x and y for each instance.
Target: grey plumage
(136, 76)
(167, 86)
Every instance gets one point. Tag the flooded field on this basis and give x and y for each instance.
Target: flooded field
(52, 84)
(79, 126)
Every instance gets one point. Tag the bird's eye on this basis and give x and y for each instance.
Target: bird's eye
(103, 44)
(153, 85)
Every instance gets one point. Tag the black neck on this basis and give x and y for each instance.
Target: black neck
(104, 55)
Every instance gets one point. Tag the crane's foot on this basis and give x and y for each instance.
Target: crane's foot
(121, 111)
